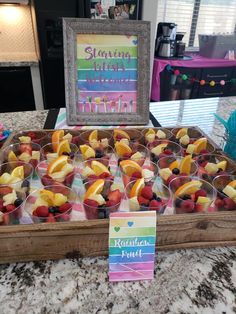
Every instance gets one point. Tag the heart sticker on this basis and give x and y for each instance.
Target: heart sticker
(135, 42)
(117, 229)
(130, 223)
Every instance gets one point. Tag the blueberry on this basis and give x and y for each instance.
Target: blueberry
(178, 202)
(52, 210)
(18, 202)
(154, 196)
(158, 199)
(175, 171)
(99, 154)
(25, 184)
(101, 207)
(101, 215)
(186, 197)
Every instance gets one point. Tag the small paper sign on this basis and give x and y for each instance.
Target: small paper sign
(132, 238)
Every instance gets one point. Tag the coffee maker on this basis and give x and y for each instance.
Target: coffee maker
(165, 40)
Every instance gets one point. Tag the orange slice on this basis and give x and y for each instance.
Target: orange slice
(130, 166)
(63, 147)
(137, 187)
(181, 132)
(11, 156)
(57, 164)
(18, 172)
(200, 144)
(122, 149)
(232, 184)
(122, 133)
(222, 165)
(47, 196)
(95, 188)
(188, 188)
(98, 167)
(174, 164)
(93, 136)
(56, 138)
(185, 164)
(87, 151)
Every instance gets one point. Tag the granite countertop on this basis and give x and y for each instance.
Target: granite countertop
(186, 281)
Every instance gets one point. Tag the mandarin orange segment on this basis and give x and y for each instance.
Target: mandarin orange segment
(18, 172)
(137, 187)
(188, 188)
(232, 184)
(174, 164)
(200, 144)
(93, 136)
(95, 188)
(47, 196)
(99, 168)
(63, 147)
(11, 156)
(185, 164)
(122, 133)
(130, 166)
(87, 151)
(57, 164)
(181, 132)
(122, 149)
(56, 138)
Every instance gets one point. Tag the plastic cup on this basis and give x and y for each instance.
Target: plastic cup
(223, 202)
(161, 194)
(103, 137)
(100, 153)
(48, 149)
(179, 203)
(60, 179)
(168, 134)
(192, 133)
(149, 172)
(55, 215)
(172, 148)
(136, 147)
(12, 217)
(135, 135)
(100, 212)
(202, 161)
(40, 137)
(165, 162)
(22, 185)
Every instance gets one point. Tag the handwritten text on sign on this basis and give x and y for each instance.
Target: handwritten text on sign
(132, 238)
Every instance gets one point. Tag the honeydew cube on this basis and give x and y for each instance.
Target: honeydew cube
(68, 137)
(98, 198)
(136, 155)
(150, 137)
(160, 134)
(229, 191)
(24, 157)
(104, 142)
(25, 139)
(87, 171)
(184, 140)
(147, 174)
(134, 204)
(35, 155)
(190, 149)
(39, 202)
(211, 168)
(165, 173)
(9, 198)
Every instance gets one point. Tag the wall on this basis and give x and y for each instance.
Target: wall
(16, 33)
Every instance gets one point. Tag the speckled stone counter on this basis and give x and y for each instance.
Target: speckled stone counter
(186, 281)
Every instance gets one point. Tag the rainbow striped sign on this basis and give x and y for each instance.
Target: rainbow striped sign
(107, 73)
(132, 238)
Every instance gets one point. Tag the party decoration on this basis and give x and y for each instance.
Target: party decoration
(212, 83)
(202, 82)
(222, 82)
(176, 72)
(184, 77)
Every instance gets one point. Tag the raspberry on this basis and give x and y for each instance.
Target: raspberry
(33, 163)
(155, 205)
(203, 151)
(171, 177)
(111, 203)
(136, 175)
(1, 205)
(42, 211)
(10, 207)
(168, 152)
(32, 135)
(219, 203)
(50, 218)
(143, 201)
(104, 175)
(198, 208)
(187, 206)
(63, 208)
(91, 203)
(147, 192)
(229, 204)
(115, 196)
(69, 179)
(5, 190)
(200, 193)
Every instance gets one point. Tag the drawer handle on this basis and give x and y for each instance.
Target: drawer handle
(212, 76)
(213, 94)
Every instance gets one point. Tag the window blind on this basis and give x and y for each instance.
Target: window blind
(198, 17)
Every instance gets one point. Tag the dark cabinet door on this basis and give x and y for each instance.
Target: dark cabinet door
(232, 85)
(16, 90)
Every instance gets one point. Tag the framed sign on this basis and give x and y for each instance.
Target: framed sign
(107, 71)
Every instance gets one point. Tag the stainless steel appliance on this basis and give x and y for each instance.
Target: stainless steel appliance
(165, 40)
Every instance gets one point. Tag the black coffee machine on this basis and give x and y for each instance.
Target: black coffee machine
(165, 40)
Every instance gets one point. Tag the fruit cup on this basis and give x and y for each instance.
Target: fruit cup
(150, 135)
(17, 175)
(49, 152)
(128, 135)
(173, 166)
(131, 171)
(183, 135)
(151, 195)
(38, 137)
(94, 169)
(11, 203)
(212, 165)
(51, 204)
(60, 171)
(226, 192)
(192, 195)
(96, 138)
(26, 152)
(86, 152)
(132, 151)
(163, 148)
(100, 198)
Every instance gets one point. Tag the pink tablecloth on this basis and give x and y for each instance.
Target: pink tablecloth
(196, 62)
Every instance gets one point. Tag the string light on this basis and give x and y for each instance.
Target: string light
(212, 83)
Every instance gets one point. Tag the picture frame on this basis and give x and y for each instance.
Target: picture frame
(107, 71)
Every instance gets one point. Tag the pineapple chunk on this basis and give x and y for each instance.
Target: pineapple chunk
(94, 144)
(190, 149)
(68, 137)
(39, 202)
(125, 141)
(204, 201)
(104, 142)
(211, 168)
(24, 157)
(134, 204)
(229, 191)
(9, 198)
(184, 140)
(165, 173)
(150, 137)
(5, 178)
(136, 155)
(222, 165)
(160, 134)
(87, 171)
(158, 149)
(25, 139)
(51, 156)
(98, 198)
(59, 199)
(36, 155)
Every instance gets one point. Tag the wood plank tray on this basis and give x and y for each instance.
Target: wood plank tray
(90, 238)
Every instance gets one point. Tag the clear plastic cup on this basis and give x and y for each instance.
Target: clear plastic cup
(135, 135)
(167, 148)
(223, 202)
(102, 211)
(100, 153)
(193, 133)
(104, 138)
(58, 178)
(202, 161)
(159, 201)
(8, 216)
(188, 202)
(49, 154)
(38, 137)
(136, 148)
(168, 135)
(52, 213)
(167, 162)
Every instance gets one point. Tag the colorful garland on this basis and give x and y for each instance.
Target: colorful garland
(186, 77)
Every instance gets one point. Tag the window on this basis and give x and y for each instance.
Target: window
(198, 17)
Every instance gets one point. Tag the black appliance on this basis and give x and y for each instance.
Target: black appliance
(165, 40)
(180, 45)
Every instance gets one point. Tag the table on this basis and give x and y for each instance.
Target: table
(186, 281)
(196, 62)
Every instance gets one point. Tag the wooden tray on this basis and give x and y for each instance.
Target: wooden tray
(90, 238)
